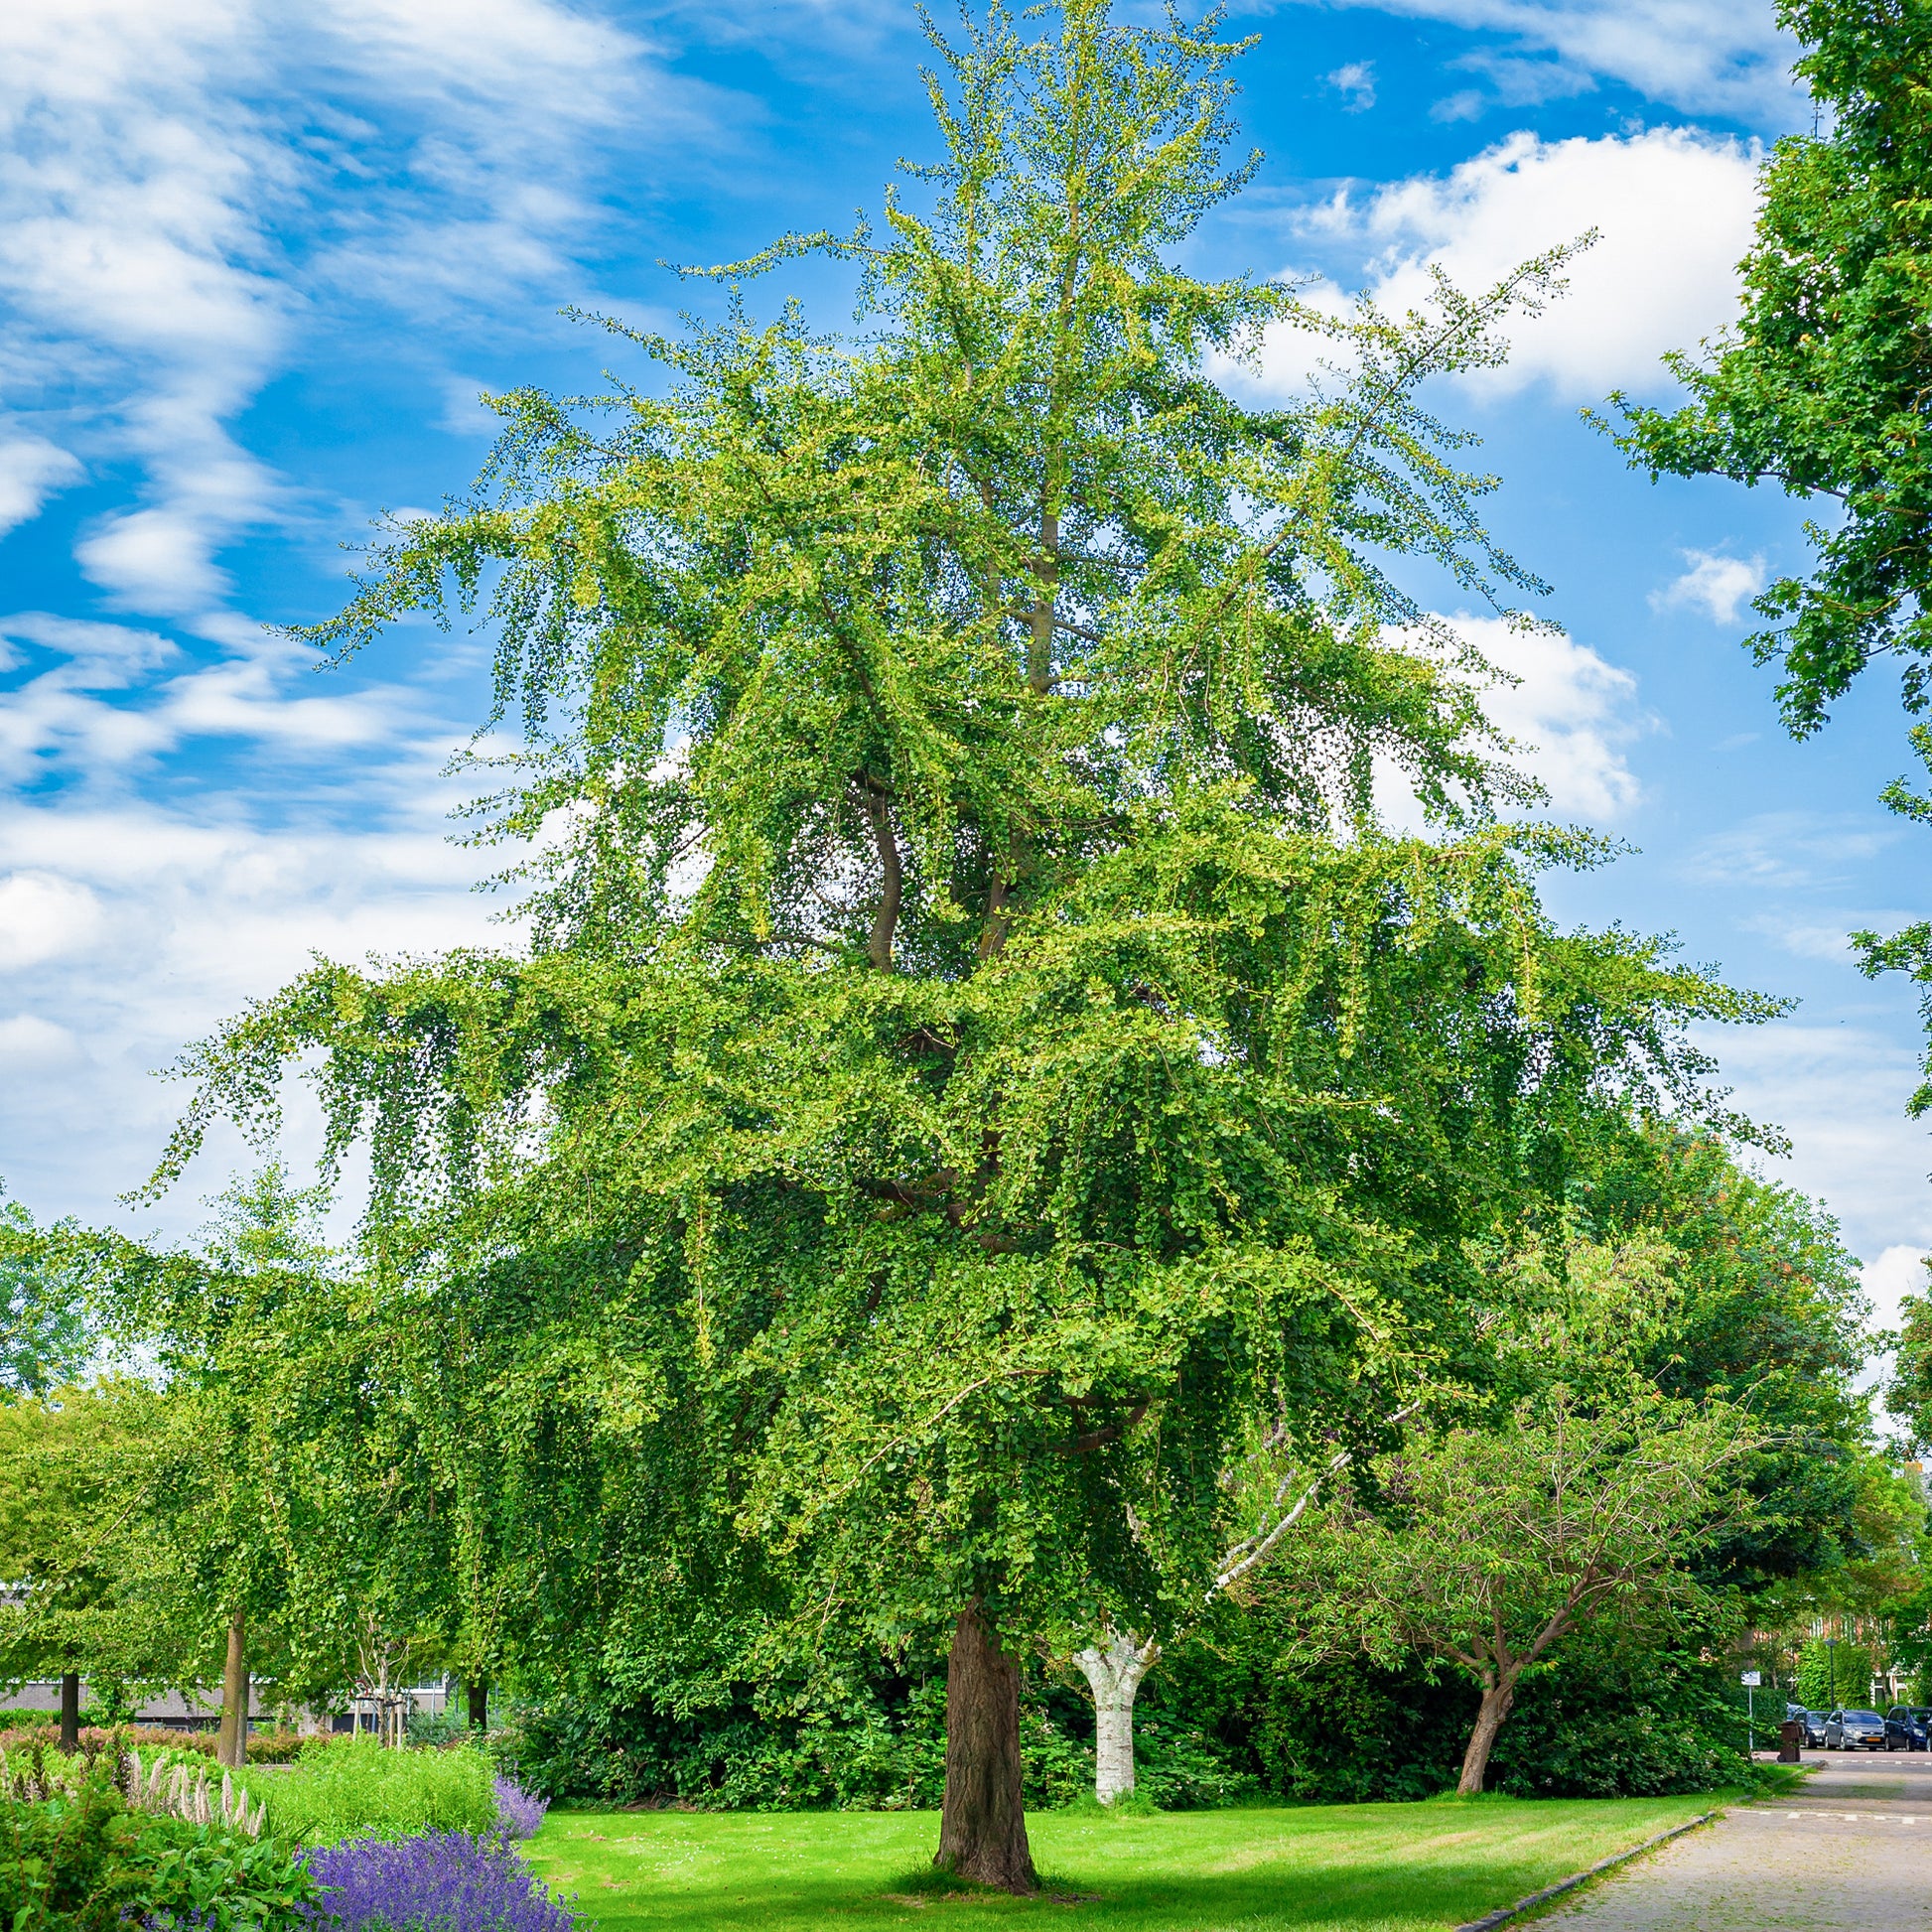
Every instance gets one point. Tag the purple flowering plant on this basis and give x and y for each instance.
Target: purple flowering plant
(518, 1812)
(432, 1881)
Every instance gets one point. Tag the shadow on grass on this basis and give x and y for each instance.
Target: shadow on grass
(1356, 1868)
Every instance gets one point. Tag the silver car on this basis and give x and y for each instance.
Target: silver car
(1854, 1730)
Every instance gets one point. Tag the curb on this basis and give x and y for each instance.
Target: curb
(1508, 1913)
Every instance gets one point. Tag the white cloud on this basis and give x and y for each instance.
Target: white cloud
(1897, 1272)
(29, 1044)
(31, 470)
(1702, 55)
(1573, 713)
(1839, 1092)
(1717, 585)
(1674, 209)
(172, 923)
(1355, 83)
(172, 216)
(43, 917)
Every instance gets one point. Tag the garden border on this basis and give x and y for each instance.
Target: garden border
(1508, 1913)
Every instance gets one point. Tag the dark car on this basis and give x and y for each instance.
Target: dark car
(1908, 1728)
(1854, 1730)
(1814, 1726)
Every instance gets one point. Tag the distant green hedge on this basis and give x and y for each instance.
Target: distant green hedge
(1221, 1717)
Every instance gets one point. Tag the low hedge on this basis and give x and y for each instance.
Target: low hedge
(264, 1746)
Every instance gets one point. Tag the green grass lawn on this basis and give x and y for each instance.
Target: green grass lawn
(1363, 1867)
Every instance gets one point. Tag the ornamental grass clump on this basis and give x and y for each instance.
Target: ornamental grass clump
(450, 1881)
(358, 1786)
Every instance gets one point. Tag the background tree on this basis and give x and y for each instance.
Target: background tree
(1821, 386)
(980, 1056)
(77, 1492)
(46, 1338)
(1583, 1499)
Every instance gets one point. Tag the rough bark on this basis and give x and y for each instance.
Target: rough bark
(477, 1696)
(1496, 1700)
(71, 1710)
(1114, 1674)
(983, 1827)
(232, 1743)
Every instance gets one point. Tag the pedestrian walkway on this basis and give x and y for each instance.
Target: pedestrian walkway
(1851, 1851)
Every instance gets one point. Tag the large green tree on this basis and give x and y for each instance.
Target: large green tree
(980, 1061)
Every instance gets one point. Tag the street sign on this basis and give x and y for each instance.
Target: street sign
(1751, 1680)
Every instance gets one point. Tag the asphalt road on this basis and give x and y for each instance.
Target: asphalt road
(1849, 1852)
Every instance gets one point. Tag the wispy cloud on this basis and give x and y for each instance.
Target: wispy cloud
(1699, 56)
(1355, 83)
(1714, 584)
(1789, 850)
(187, 185)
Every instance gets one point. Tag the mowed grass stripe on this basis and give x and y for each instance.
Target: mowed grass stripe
(1354, 1868)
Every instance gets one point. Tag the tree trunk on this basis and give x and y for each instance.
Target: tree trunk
(71, 1710)
(231, 1745)
(1114, 1676)
(477, 1696)
(1496, 1700)
(983, 1827)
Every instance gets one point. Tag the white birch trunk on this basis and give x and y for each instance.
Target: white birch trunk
(1114, 1675)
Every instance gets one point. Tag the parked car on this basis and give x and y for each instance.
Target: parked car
(1814, 1726)
(1908, 1728)
(1854, 1730)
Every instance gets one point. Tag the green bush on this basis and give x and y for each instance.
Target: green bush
(80, 1860)
(1816, 1673)
(881, 1747)
(350, 1786)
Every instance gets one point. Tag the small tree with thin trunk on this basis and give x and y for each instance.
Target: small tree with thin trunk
(1485, 1547)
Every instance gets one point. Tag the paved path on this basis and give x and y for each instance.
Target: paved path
(1849, 1852)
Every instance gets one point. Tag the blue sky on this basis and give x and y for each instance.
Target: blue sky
(257, 261)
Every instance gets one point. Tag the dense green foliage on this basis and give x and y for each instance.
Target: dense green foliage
(80, 1860)
(1836, 1674)
(342, 1787)
(1768, 1313)
(45, 1333)
(1232, 1713)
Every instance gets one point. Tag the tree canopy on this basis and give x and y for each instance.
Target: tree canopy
(980, 1059)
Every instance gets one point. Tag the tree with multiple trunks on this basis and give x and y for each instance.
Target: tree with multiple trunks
(981, 1067)
(290, 1519)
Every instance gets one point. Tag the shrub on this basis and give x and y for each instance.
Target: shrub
(518, 1812)
(1849, 1668)
(79, 1860)
(339, 1789)
(265, 1747)
(451, 1881)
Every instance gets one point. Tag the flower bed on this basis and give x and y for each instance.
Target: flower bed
(451, 1880)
